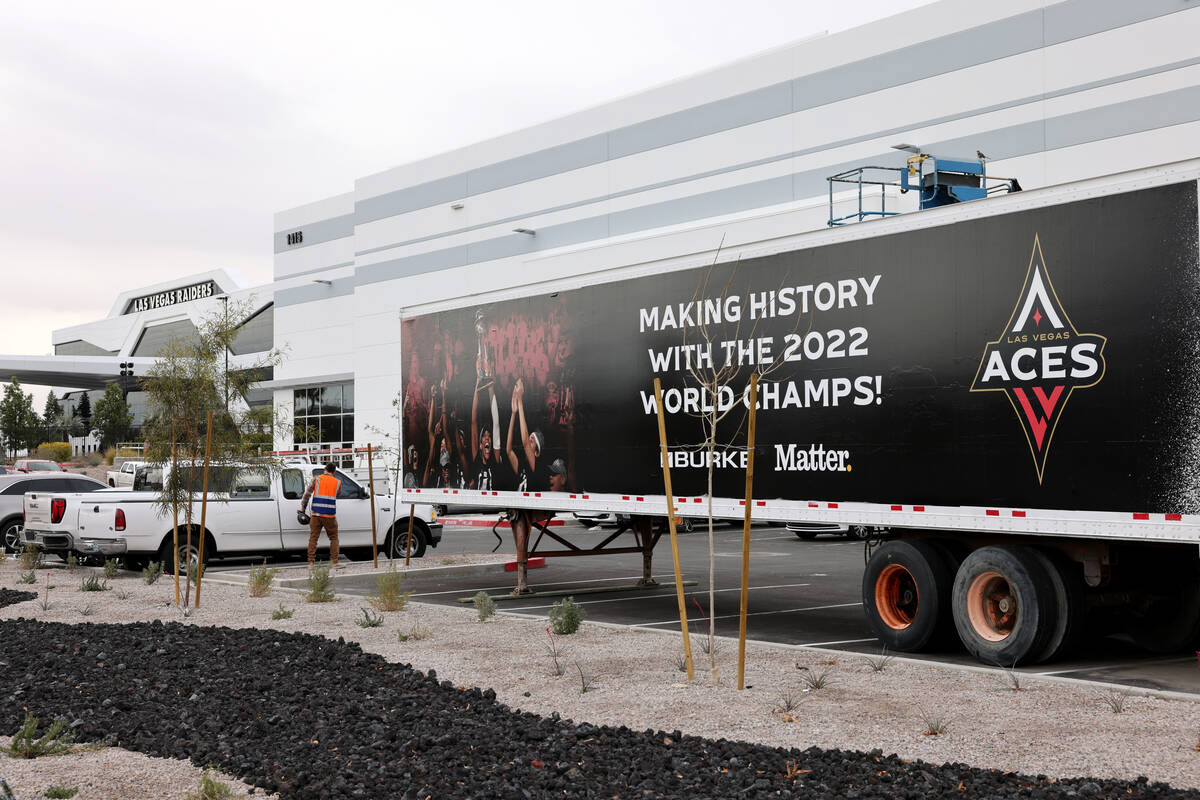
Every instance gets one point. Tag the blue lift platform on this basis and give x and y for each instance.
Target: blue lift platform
(938, 182)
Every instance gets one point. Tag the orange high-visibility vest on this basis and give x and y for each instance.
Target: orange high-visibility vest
(325, 491)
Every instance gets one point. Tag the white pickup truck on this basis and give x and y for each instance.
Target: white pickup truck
(123, 477)
(251, 511)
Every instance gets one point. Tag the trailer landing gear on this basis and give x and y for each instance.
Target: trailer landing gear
(525, 521)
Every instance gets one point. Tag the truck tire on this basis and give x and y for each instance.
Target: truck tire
(1004, 605)
(398, 540)
(805, 536)
(906, 594)
(167, 558)
(1070, 605)
(10, 534)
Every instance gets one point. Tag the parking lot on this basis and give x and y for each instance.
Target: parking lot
(801, 593)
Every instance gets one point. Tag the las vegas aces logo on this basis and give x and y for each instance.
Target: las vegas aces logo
(1040, 359)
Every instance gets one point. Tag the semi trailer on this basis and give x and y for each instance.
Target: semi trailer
(1010, 387)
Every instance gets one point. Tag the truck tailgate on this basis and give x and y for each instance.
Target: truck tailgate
(96, 519)
(37, 509)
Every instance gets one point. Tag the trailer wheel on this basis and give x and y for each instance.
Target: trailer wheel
(1070, 605)
(906, 591)
(1004, 605)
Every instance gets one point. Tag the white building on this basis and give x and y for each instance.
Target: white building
(1050, 91)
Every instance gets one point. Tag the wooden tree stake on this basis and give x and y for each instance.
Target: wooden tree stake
(371, 481)
(204, 506)
(412, 510)
(175, 521)
(745, 602)
(666, 468)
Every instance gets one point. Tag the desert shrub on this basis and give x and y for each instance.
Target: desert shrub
(815, 680)
(416, 633)
(565, 616)
(1115, 700)
(54, 451)
(27, 744)
(369, 620)
(109, 455)
(92, 583)
(31, 557)
(72, 562)
(152, 572)
(485, 606)
(93, 459)
(60, 791)
(388, 596)
(935, 722)
(27, 577)
(880, 662)
(110, 568)
(320, 585)
(587, 679)
(261, 578)
(282, 613)
(210, 789)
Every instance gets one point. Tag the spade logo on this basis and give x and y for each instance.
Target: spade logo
(1040, 359)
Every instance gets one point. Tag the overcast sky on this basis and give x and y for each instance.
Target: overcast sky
(146, 141)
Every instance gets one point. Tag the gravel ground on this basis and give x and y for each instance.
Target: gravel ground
(109, 773)
(1046, 728)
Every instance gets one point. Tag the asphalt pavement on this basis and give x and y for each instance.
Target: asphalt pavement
(801, 593)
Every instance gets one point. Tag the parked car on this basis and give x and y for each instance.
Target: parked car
(35, 465)
(123, 476)
(250, 511)
(12, 495)
(811, 530)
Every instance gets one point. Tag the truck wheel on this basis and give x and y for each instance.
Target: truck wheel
(167, 558)
(1070, 605)
(906, 594)
(398, 541)
(805, 536)
(11, 535)
(1004, 605)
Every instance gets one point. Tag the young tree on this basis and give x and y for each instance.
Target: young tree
(722, 377)
(113, 416)
(83, 412)
(188, 382)
(19, 423)
(52, 415)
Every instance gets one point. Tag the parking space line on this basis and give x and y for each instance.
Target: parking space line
(697, 593)
(751, 614)
(843, 641)
(572, 582)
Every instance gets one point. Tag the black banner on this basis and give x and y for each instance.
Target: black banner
(1044, 359)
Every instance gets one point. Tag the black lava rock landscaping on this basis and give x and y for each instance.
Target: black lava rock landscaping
(309, 717)
(10, 597)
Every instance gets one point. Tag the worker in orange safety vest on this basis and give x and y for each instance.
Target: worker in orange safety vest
(324, 491)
